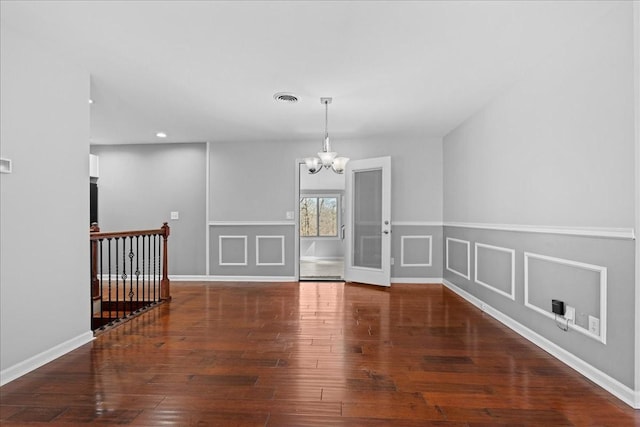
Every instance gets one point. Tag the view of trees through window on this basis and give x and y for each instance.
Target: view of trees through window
(318, 216)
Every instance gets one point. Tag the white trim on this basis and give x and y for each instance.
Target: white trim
(511, 295)
(220, 278)
(220, 238)
(605, 381)
(296, 217)
(248, 223)
(636, 115)
(417, 280)
(603, 293)
(468, 257)
(21, 368)
(418, 223)
(321, 258)
(187, 278)
(281, 250)
(613, 233)
(429, 263)
(207, 186)
(216, 278)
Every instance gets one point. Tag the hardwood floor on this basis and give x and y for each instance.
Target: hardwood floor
(310, 354)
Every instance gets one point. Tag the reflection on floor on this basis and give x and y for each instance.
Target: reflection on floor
(327, 269)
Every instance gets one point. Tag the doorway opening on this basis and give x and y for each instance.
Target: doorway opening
(320, 224)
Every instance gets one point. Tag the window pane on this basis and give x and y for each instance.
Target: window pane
(367, 219)
(308, 216)
(328, 212)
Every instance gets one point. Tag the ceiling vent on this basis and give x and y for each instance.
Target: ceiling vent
(285, 97)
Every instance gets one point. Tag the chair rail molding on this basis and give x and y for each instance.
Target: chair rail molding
(612, 233)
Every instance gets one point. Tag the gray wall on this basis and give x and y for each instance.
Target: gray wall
(255, 183)
(252, 250)
(44, 213)
(140, 185)
(416, 251)
(556, 149)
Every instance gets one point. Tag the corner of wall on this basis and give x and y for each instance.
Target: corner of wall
(636, 65)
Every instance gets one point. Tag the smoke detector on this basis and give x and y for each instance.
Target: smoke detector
(285, 97)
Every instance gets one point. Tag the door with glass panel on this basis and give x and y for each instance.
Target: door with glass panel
(368, 221)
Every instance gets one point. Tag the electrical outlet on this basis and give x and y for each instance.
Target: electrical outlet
(570, 314)
(392, 261)
(289, 214)
(594, 325)
(175, 215)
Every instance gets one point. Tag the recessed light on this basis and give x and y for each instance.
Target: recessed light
(161, 135)
(90, 101)
(286, 97)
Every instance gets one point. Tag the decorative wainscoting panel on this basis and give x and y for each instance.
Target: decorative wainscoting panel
(495, 269)
(232, 250)
(580, 285)
(416, 249)
(593, 273)
(458, 257)
(270, 250)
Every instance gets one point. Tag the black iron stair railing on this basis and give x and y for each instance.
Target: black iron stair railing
(129, 273)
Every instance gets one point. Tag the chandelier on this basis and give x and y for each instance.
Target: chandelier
(326, 157)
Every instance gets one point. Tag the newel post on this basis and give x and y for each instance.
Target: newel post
(165, 291)
(95, 283)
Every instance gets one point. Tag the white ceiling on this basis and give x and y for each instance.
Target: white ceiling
(207, 71)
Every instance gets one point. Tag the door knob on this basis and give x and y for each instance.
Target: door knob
(385, 231)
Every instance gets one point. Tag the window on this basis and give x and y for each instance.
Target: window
(319, 216)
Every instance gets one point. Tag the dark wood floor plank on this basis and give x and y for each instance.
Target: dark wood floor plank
(310, 354)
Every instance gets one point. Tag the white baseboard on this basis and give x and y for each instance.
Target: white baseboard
(215, 278)
(19, 369)
(422, 280)
(613, 386)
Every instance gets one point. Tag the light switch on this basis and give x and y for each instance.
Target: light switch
(5, 166)
(175, 215)
(289, 214)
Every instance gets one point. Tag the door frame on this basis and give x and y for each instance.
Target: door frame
(296, 219)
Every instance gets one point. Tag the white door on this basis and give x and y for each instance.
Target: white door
(368, 221)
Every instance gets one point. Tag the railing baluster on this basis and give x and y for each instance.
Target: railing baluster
(131, 274)
(137, 273)
(155, 258)
(101, 282)
(117, 278)
(109, 275)
(146, 291)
